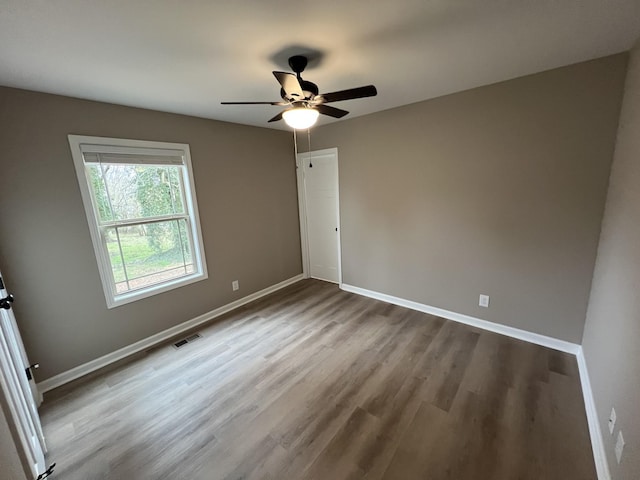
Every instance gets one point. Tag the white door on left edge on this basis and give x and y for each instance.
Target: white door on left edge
(320, 177)
(18, 387)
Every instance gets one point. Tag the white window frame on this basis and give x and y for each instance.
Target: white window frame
(82, 143)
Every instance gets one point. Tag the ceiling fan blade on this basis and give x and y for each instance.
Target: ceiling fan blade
(277, 117)
(331, 111)
(255, 103)
(360, 92)
(290, 85)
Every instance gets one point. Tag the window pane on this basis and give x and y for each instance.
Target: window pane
(115, 257)
(152, 253)
(125, 192)
(159, 190)
(186, 242)
(103, 205)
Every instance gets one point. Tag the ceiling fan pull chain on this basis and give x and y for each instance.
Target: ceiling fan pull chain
(309, 141)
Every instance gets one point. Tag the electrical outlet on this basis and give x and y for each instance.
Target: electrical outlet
(484, 301)
(619, 446)
(612, 421)
(235, 285)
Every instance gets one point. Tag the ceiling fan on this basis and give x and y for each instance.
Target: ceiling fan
(304, 99)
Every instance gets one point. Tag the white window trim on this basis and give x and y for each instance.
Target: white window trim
(80, 143)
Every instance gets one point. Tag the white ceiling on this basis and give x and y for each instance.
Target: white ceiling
(188, 56)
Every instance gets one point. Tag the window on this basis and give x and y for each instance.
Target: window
(143, 217)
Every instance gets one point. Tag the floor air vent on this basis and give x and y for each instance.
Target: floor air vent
(189, 339)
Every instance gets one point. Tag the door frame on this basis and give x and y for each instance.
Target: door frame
(13, 416)
(302, 207)
(17, 414)
(18, 397)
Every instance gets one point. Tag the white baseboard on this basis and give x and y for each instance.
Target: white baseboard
(597, 444)
(144, 344)
(536, 338)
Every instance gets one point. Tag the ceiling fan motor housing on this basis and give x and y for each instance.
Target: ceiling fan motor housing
(309, 89)
(298, 63)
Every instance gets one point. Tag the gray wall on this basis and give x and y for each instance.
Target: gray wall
(498, 190)
(612, 332)
(246, 190)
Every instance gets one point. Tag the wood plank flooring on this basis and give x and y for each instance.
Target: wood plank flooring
(316, 383)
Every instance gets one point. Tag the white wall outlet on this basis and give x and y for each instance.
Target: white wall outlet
(484, 301)
(235, 285)
(619, 446)
(612, 421)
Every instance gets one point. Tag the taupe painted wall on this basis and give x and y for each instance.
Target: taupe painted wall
(498, 190)
(611, 340)
(246, 190)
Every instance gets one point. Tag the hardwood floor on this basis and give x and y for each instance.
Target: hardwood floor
(316, 383)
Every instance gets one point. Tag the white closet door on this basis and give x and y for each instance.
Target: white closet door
(320, 172)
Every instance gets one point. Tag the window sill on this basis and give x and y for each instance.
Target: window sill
(129, 297)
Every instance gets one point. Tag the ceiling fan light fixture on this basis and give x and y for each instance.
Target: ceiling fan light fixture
(300, 118)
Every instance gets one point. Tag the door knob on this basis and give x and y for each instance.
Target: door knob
(29, 370)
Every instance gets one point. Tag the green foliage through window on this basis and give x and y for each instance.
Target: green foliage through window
(150, 248)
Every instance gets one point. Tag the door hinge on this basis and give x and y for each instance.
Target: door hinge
(6, 302)
(47, 472)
